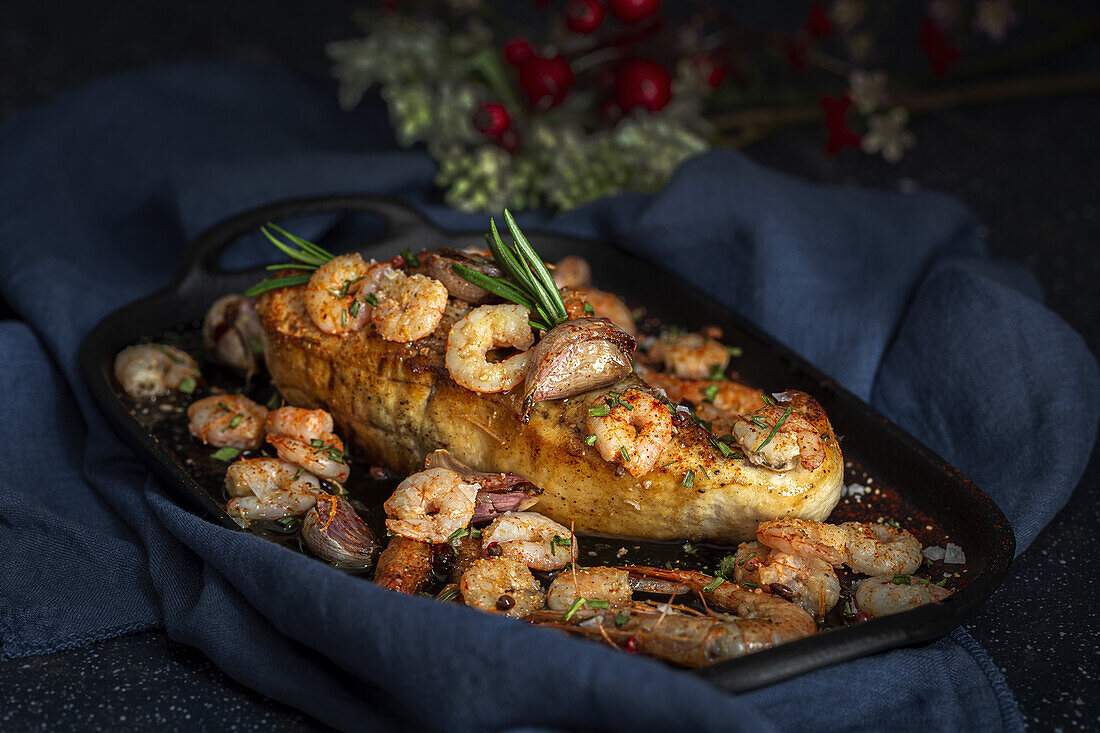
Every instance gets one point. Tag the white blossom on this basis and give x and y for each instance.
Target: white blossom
(887, 134)
(994, 18)
(867, 89)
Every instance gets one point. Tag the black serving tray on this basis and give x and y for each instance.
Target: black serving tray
(907, 480)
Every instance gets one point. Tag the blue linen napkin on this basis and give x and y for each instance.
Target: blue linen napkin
(893, 295)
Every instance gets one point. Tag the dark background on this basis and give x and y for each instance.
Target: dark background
(1026, 167)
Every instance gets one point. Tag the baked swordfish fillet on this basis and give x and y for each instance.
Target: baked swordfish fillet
(619, 459)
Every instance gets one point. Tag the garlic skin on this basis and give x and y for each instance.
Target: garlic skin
(575, 357)
(440, 264)
(232, 334)
(334, 532)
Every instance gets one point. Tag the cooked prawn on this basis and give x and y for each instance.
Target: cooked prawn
(148, 371)
(808, 581)
(501, 585)
(227, 420)
(634, 431)
(409, 308)
(871, 549)
(691, 355)
(266, 488)
(608, 584)
(485, 328)
(336, 292)
(431, 505)
(718, 402)
(883, 595)
(405, 566)
(601, 304)
(572, 271)
(795, 441)
(531, 538)
(305, 437)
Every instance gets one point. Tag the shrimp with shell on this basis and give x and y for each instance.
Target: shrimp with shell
(227, 420)
(581, 302)
(306, 438)
(632, 428)
(807, 581)
(883, 595)
(267, 488)
(148, 371)
(431, 505)
(690, 355)
(780, 437)
(482, 330)
(501, 585)
(533, 539)
(868, 548)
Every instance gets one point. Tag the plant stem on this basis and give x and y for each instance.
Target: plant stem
(749, 125)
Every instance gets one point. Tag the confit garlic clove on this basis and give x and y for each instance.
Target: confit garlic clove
(575, 357)
(334, 532)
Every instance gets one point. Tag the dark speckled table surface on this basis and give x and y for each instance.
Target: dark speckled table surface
(1027, 168)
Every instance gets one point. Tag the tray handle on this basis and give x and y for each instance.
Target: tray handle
(200, 267)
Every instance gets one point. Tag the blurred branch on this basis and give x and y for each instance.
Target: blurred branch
(742, 127)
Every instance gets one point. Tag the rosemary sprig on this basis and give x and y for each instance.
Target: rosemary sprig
(528, 282)
(778, 424)
(305, 255)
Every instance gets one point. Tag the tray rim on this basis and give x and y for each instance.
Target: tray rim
(198, 271)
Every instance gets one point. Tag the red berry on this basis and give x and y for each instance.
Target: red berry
(632, 644)
(818, 24)
(584, 16)
(546, 81)
(633, 11)
(492, 119)
(863, 616)
(712, 71)
(518, 51)
(643, 83)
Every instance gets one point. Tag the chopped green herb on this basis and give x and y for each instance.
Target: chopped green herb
(767, 400)
(226, 454)
(778, 424)
(590, 439)
(710, 393)
(689, 479)
(475, 533)
(573, 608)
(891, 522)
(370, 298)
(735, 351)
(716, 372)
(343, 319)
(724, 449)
(286, 522)
(598, 603)
(713, 584)
(668, 564)
(941, 582)
(621, 618)
(236, 420)
(557, 542)
(447, 594)
(187, 385)
(727, 567)
(256, 345)
(903, 579)
(297, 475)
(274, 401)
(625, 454)
(588, 309)
(751, 586)
(410, 259)
(353, 309)
(458, 534)
(347, 284)
(167, 352)
(599, 411)
(317, 443)
(689, 548)
(746, 558)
